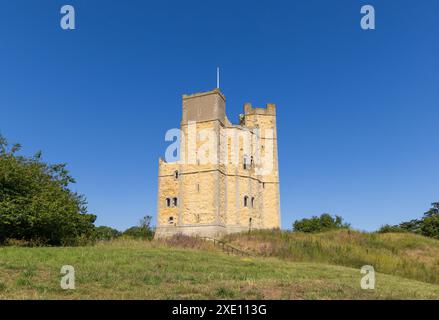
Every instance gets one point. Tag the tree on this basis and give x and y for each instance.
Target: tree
(387, 228)
(319, 224)
(106, 233)
(143, 230)
(430, 222)
(36, 203)
(427, 226)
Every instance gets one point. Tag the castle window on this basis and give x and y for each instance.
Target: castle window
(251, 162)
(176, 174)
(168, 202)
(198, 187)
(174, 202)
(245, 201)
(253, 202)
(263, 185)
(246, 162)
(171, 220)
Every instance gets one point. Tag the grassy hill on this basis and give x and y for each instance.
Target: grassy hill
(127, 269)
(403, 254)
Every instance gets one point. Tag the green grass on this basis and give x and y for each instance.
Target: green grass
(151, 270)
(403, 254)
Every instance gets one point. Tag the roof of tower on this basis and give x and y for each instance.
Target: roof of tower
(199, 94)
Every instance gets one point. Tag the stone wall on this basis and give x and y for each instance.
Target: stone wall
(211, 195)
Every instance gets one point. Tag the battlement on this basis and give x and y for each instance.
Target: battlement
(270, 109)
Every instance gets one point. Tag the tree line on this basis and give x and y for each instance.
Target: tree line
(38, 207)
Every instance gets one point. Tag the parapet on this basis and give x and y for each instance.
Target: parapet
(270, 109)
(201, 94)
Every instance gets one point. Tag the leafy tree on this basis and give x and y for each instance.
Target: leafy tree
(387, 228)
(430, 222)
(427, 226)
(36, 203)
(143, 230)
(319, 224)
(106, 233)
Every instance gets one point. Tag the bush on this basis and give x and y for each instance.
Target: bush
(319, 224)
(387, 228)
(142, 231)
(427, 226)
(36, 204)
(106, 233)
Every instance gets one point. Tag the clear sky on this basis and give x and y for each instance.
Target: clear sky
(357, 110)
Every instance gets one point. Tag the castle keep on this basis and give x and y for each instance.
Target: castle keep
(226, 179)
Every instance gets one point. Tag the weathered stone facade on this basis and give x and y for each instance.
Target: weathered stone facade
(230, 184)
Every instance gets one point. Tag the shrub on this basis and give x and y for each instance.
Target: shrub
(106, 233)
(142, 231)
(427, 226)
(319, 224)
(387, 228)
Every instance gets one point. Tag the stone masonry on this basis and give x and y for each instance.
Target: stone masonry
(231, 183)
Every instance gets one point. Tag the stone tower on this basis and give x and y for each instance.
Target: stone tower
(227, 178)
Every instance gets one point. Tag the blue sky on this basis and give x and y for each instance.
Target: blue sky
(357, 110)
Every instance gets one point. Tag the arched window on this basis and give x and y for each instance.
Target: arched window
(176, 174)
(171, 220)
(253, 202)
(245, 201)
(174, 202)
(168, 202)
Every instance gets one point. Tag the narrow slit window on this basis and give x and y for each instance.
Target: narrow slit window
(245, 165)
